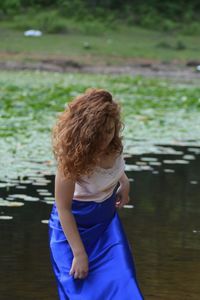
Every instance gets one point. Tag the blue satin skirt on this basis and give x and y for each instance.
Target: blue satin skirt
(112, 274)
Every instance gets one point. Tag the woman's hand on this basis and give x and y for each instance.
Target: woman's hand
(122, 193)
(79, 266)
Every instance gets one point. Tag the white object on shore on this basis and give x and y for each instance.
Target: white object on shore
(198, 68)
(33, 32)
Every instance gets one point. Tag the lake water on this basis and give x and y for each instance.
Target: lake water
(163, 228)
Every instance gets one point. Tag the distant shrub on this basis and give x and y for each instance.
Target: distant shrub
(92, 28)
(10, 6)
(150, 20)
(164, 45)
(23, 23)
(49, 22)
(168, 25)
(191, 28)
(73, 9)
(180, 45)
(56, 16)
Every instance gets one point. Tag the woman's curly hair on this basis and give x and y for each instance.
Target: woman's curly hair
(80, 129)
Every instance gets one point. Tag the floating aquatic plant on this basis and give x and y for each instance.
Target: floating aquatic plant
(155, 112)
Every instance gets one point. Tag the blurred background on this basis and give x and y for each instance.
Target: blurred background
(147, 55)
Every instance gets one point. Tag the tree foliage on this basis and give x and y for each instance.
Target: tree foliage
(136, 11)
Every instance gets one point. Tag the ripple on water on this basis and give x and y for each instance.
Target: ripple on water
(24, 197)
(195, 150)
(45, 221)
(45, 193)
(168, 170)
(141, 163)
(149, 158)
(175, 161)
(48, 201)
(155, 172)
(155, 163)
(6, 217)
(49, 198)
(39, 184)
(128, 206)
(10, 203)
(42, 190)
(189, 157)
(21, 187)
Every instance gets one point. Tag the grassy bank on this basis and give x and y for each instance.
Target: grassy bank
(109, 47)
(92, 41)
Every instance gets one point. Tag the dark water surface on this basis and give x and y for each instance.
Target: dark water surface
(163, 227)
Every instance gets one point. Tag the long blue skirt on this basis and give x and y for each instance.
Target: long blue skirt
(112, 274)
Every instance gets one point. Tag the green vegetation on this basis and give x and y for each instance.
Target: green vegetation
(110, 47)
(108, 32)
(166, 15)
(154, 110)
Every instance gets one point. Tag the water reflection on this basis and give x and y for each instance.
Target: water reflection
(161, 221)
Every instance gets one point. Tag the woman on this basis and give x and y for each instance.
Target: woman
(90, 254)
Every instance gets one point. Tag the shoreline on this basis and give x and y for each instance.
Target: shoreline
(147, 69)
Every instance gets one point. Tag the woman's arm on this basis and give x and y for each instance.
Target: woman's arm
(64, 191)
(124, 181)
(123, 191)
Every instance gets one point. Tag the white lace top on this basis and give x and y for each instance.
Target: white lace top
(101, 183)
